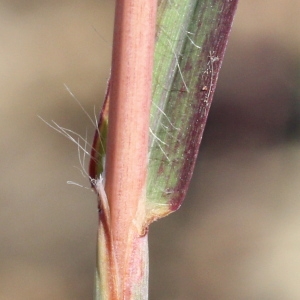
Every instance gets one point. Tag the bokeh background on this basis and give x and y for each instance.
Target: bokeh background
(237, 235)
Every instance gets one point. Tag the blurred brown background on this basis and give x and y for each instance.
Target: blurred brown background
(237, 235)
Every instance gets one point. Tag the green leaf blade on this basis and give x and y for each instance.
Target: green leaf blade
(182, 97)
